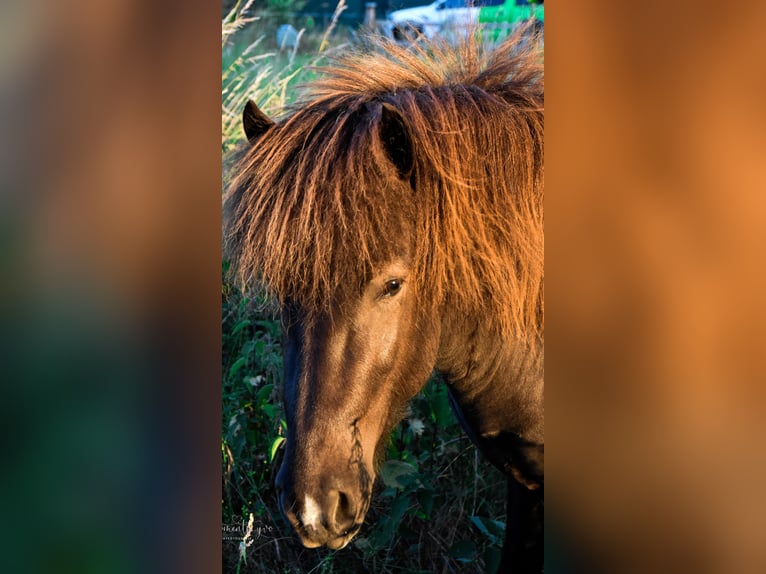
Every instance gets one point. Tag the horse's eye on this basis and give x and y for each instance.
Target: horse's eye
(392, 287)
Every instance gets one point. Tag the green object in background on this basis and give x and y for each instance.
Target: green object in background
(500, 18)
(511, 11)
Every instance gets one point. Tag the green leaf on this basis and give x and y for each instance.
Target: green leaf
(442, 411)
(274, 446)
(495, 526)
(489, 528)
(388, 526)
(272, 327)
(263, 394)
(463, 551)
(269, 410)
(238, 364)
(426, 500)
(362, 543)
(492, 559)
(398, 508)
(388, 492)
(393, 471)
(239, 326)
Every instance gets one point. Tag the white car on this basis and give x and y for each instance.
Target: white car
(429, 20)
(432, 19)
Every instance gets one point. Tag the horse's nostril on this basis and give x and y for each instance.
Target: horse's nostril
(344, 503)
(345, 513)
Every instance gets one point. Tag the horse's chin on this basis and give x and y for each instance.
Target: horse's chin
(310, 543)
(333, 544)
(339, 543)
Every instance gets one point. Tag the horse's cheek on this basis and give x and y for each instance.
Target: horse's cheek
(387, 341)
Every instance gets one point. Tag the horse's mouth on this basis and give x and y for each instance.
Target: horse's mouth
(317, 530)
(334, 542)
(342, 541)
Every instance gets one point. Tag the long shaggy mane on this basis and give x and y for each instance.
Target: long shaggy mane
(317, 205)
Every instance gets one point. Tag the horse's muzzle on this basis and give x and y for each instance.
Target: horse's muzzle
(330, 518)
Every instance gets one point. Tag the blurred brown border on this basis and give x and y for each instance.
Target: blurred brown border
(111, 229)
(655, 232)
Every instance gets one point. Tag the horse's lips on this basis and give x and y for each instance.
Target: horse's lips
(334, 544)
(311, 538)
(339, 543)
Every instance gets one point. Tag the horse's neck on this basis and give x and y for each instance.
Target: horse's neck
(497, 386)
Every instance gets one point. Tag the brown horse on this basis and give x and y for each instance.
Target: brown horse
(397, 216)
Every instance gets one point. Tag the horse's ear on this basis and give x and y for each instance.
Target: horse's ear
(254, 121)
(396, 140)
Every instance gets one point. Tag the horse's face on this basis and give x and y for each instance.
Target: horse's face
(348, 376)
(350, 370)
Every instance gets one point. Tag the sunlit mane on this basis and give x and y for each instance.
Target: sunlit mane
(314, 211)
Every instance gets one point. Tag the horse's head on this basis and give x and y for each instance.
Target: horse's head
(350, 366)
(348, 376)
(390, 213)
